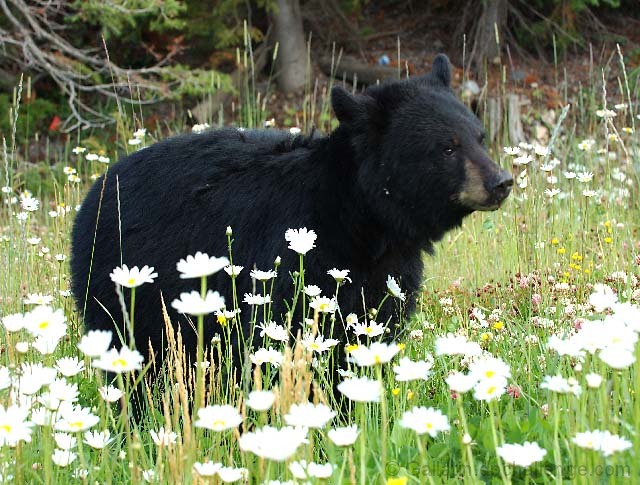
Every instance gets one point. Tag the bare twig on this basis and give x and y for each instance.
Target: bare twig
(32, 39)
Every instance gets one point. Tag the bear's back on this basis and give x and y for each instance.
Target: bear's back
(177, 196)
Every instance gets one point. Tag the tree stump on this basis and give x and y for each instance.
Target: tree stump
(494, 113)
(516, 133)
(501, 112)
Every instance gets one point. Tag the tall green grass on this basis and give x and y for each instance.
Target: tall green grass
(506, 280)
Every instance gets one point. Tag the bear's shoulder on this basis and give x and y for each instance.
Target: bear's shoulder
(264, 141)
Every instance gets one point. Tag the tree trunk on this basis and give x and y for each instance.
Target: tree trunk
(486, 47)
(292, 47)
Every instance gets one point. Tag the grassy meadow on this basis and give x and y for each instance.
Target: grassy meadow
(521, 364)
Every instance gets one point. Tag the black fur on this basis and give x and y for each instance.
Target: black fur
(378, 191)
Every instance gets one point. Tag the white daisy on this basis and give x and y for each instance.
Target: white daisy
(193, 304)
(309, 415)
(301, 240)
(218, 417)
(131, 278)
(425, 420)
(394, 288)
(200, 264)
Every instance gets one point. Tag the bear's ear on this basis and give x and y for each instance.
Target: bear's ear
(441, 70)
(440, 75)
(348, 108)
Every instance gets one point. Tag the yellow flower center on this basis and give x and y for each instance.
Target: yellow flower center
(429, 425)
(76, 425)
(119, 363)
(377, 359)
(131, 281)
(218, 423)
(6, 428)
(222, 320)
(44, 324)
(397, 481)
(491, 390)
(489, 374)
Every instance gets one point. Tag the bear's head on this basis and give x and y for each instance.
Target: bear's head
(419, 152)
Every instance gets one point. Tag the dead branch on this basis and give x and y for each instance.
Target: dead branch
(34, 43)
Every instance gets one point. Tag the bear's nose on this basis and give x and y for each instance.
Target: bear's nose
(502, 186)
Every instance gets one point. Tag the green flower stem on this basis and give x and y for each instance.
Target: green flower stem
(301, 289)
(233, 277)
(18, 457)
(333, 319)
(424, 466)
(267, 473)
(467, 447)
(636, 411)
(363, 443)
(199, 359)
(386, 296)
(496, 442)
(200, 350)
(124, 416)
(158, 464)
(236, 318)
(330, 447)
(269, 305)
(47, 450)
(132, 340)
(383, 416)
(228, 357)
(343, 466)
(236, 306)
(265, 310)
(557, 456)
(81, 453)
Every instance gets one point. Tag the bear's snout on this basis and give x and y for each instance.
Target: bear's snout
(501, 187)
(486, 185)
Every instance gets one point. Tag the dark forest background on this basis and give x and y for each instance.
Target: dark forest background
(191, 60)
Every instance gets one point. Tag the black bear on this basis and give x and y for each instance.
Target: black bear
(405, 165)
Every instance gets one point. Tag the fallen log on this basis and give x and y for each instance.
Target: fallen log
(354, 70)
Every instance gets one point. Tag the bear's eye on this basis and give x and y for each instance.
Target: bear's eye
(449, 151)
